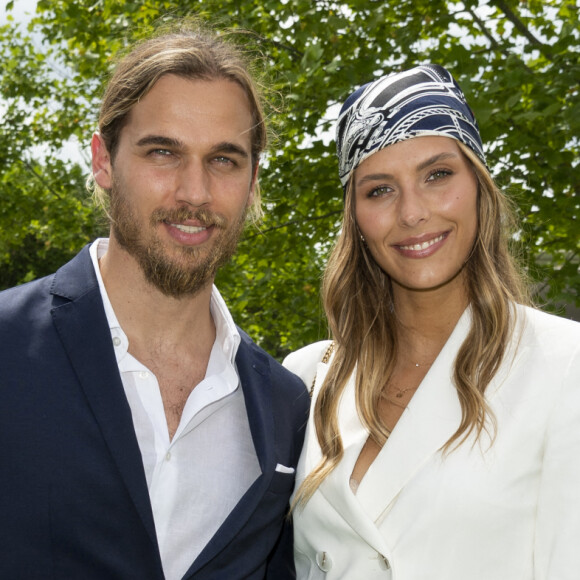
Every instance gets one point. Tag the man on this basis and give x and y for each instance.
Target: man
(143, 435)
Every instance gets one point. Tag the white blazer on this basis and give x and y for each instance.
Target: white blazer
(506, 512)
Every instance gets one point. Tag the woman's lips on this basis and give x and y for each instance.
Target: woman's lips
(421, 246)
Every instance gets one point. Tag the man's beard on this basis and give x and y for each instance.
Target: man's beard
(191, 268)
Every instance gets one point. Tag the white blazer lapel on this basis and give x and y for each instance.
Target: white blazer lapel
(336, 486)
(351, 430)
(430, 419)
(311, 454)
(353, 434)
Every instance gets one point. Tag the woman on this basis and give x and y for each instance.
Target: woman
(444, 439)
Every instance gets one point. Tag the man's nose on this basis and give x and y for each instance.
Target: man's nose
(194, 187)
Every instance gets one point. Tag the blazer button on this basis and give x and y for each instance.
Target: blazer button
(324, 561)
(384, 562)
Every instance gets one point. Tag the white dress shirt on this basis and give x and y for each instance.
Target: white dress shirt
(197, 478)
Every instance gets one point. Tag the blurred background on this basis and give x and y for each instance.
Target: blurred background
(517, 61)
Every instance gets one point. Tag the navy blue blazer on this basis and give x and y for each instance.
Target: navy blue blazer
(74, 502)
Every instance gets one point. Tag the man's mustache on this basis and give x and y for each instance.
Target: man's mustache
(205, 217)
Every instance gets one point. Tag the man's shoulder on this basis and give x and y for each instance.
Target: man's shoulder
(266, 361)
(253, 349)
(24, 312)
(17, 297)
(68, 281)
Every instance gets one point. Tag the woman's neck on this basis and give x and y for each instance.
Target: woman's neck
(426, 319)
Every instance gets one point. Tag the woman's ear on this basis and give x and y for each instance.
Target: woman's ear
(101, 162)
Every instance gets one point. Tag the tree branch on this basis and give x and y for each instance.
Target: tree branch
(265, 40)
(291, 223)
(521, 27)
(494, 44)
(542, 286)
(31, 170)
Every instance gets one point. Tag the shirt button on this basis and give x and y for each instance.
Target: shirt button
(168, 456)
(143, 374)
(117, 341)
(324, 561)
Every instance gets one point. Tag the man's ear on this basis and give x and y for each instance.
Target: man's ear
(102, 169)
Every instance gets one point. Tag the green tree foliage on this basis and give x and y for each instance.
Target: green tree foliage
(518, 62)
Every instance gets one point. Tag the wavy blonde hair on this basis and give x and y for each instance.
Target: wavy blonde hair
(358, 301)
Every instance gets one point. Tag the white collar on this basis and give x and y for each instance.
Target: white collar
(227, 335)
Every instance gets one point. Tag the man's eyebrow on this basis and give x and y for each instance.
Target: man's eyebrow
(228, 147)
(159, 140)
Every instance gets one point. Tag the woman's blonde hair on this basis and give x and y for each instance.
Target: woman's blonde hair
(358, 300)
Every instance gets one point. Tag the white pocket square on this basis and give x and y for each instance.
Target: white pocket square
(283, 469)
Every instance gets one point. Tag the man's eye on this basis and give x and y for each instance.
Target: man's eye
(158, 152)
(224, 160)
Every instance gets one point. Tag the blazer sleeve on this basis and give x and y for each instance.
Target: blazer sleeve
(556, 553)
(304, 362)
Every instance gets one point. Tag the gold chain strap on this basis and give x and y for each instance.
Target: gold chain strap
(325, 360)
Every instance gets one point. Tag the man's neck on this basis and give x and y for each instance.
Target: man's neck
(172, 337)
(144, 311)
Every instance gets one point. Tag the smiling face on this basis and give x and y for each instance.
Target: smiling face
(181, 180)
(416, 206)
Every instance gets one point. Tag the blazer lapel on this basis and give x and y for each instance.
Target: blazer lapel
(311, 454)
(336, 487)
(431, 418)
(254, 372)
(80, 320)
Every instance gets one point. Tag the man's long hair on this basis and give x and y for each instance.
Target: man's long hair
(191, 52)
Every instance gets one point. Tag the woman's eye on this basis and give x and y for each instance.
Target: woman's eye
(379, 191)
(438, 174)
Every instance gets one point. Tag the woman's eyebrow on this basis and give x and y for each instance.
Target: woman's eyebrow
(423, 165)
(374, 177)
(436, 159)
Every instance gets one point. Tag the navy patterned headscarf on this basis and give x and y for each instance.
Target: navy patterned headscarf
(422, 101)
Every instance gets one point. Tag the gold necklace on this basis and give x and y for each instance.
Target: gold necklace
(395, 399)
(400, 392)
(427, 364)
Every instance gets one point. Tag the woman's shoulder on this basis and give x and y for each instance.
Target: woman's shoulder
(540, 321)
(548, 332)
(303, 362)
